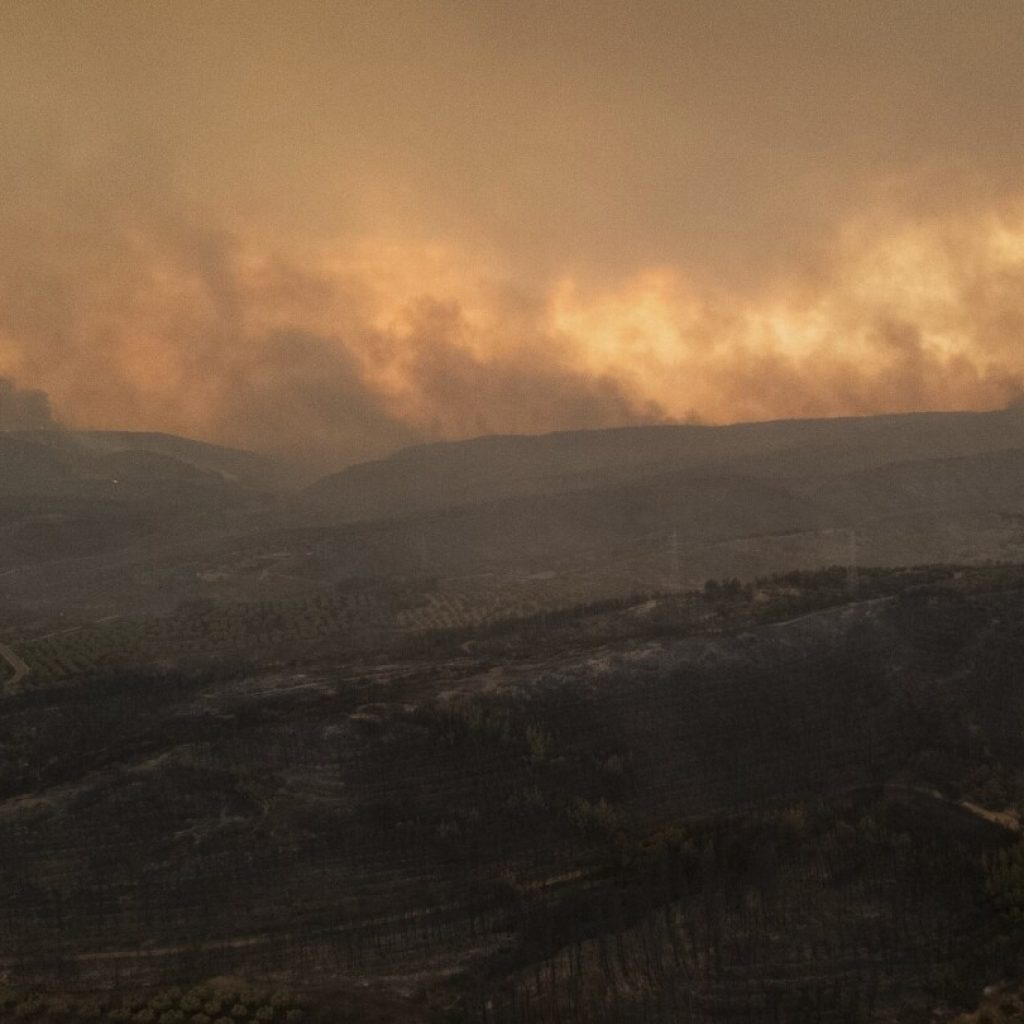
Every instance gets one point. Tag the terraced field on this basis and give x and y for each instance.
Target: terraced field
(280, 626)
(241, 627)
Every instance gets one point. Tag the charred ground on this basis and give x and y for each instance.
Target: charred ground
(778, 800)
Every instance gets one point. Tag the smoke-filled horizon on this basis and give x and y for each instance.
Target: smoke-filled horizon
(330, 230)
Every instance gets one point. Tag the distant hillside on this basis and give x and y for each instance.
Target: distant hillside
(569, 516)
(65, 495)
(232, 463)
(737, 500)
(741, 520)
(31, 467)
(74, 462)
(493, 468)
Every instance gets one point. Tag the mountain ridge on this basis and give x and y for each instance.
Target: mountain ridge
(493, 467)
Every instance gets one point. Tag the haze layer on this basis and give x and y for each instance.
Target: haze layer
(340, 228)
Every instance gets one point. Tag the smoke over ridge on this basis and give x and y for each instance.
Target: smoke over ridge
(446, 224)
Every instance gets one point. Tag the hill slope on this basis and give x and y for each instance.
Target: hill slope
(739, 819)
(492, 468)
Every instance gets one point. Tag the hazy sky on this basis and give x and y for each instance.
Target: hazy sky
(340, 227)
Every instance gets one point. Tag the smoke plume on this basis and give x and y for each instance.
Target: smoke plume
(23, 410)
(330, 233)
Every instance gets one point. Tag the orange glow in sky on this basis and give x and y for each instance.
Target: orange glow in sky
(338, 229)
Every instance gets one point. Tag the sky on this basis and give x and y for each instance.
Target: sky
(330, 229)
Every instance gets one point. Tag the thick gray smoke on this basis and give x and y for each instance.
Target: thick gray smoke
(23, 409)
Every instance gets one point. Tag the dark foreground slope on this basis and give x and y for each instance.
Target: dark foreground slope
(766, 804)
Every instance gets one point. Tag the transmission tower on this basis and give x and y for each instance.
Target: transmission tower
(852, 572)
(674, 558)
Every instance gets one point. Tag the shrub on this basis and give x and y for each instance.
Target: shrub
(538, 743)
(595, 817)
